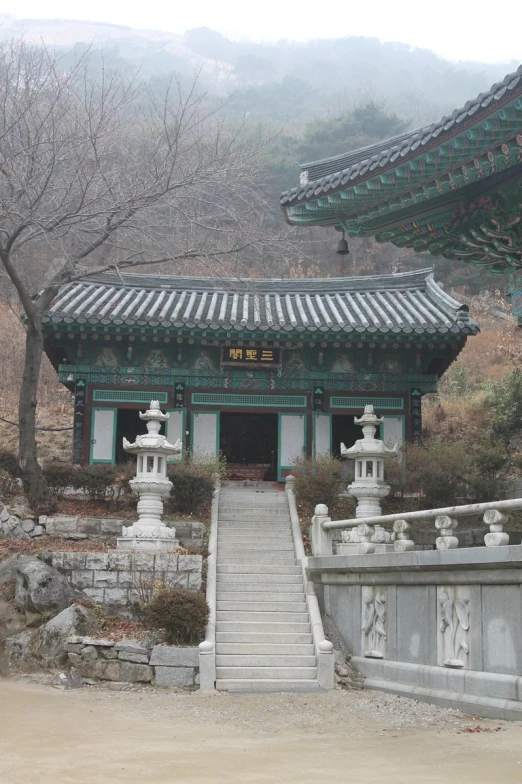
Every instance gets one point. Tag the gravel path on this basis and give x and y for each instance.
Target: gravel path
(96, 735)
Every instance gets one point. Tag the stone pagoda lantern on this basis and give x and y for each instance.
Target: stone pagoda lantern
(151, 485)
(368, 487)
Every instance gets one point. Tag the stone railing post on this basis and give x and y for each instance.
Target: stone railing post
(496, 520)
(365, 533)
(446, 525)
(321, 540)
(403, 543)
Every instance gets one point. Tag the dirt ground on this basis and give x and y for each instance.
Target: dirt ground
(95, 735)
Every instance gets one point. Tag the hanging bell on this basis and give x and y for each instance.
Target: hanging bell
(342, 248)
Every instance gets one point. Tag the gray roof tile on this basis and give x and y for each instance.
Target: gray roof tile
(403, 303)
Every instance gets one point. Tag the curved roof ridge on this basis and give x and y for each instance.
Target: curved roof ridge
(332, 173)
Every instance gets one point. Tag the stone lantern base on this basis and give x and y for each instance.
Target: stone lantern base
(149, 544)
(158, 538)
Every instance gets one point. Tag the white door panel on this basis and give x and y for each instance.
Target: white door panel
(204, 434)
(292, 438)
(322, 434)
(103, 432)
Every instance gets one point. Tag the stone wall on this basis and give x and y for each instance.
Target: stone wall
(443, 626)
(119, 578)
(20, 523)
(131, 661)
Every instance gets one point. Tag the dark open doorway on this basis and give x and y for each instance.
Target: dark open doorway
(250, 440)
(129, 425)
(346, 431)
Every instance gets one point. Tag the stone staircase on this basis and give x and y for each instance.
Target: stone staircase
(263, 633)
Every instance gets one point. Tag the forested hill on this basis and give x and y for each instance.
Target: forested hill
(284, 82)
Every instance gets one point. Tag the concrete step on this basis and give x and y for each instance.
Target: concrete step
(256, 559)
(268, 673)
(259, 596)
(253, 528)
(238, 627)
(269, 649)
(262, 570)
(262, 686)
(266, 638)
(291, 606)
(239, 547)
(261, 616)
(263, 660)
(253, 582)
(255, 535)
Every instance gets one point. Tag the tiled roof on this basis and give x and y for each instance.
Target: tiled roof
(333, 173)
(403, 303)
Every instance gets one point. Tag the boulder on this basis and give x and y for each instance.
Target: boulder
(18, 652)
(50, 644)
(40, 588)
(9, 567)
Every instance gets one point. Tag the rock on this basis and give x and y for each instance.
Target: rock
(89, 653)
(171, 656)
(174, 676)
(4, 515)
(74, 679)
(98, 643)
(137, 658)
(135, 673)
(28, 525)
(38, 530)
(18, 650)
(32, 619)
(101, 669)
(108, 653)
(9, 568)
(131, 646)
(40, 588)
(50, 647)
(75, 659)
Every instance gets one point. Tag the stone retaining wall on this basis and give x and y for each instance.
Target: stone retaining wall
(130, 661)
(120, 578)
(20, 523)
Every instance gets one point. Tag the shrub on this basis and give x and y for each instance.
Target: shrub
(59, 476)
(8, 485)
(183, 614)
(9, 463)
(192, 487)
(124, 474)
(96, 480)
(319, 481)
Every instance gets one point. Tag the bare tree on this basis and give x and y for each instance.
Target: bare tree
(98, 171)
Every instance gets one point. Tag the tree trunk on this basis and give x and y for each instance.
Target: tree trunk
(34, 484)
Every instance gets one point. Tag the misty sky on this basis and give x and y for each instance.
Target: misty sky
(455, 29)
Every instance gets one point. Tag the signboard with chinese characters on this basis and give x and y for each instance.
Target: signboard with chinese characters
(318, 399)
(179, 394)
(80, 392)
(416, 416)
(250, 356)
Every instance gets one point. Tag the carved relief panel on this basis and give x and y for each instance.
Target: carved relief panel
(453, 623)
(374, 621)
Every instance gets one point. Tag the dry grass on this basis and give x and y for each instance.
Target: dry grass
(458, 409)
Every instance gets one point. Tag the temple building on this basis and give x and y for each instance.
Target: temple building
(262, 371)
(453, 188)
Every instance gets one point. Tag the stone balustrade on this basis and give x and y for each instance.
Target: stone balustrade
(371, 534)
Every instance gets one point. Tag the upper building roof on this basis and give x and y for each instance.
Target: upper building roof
(333, 174)
(401, 303)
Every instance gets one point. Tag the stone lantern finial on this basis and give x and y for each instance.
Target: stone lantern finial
(151, 485)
